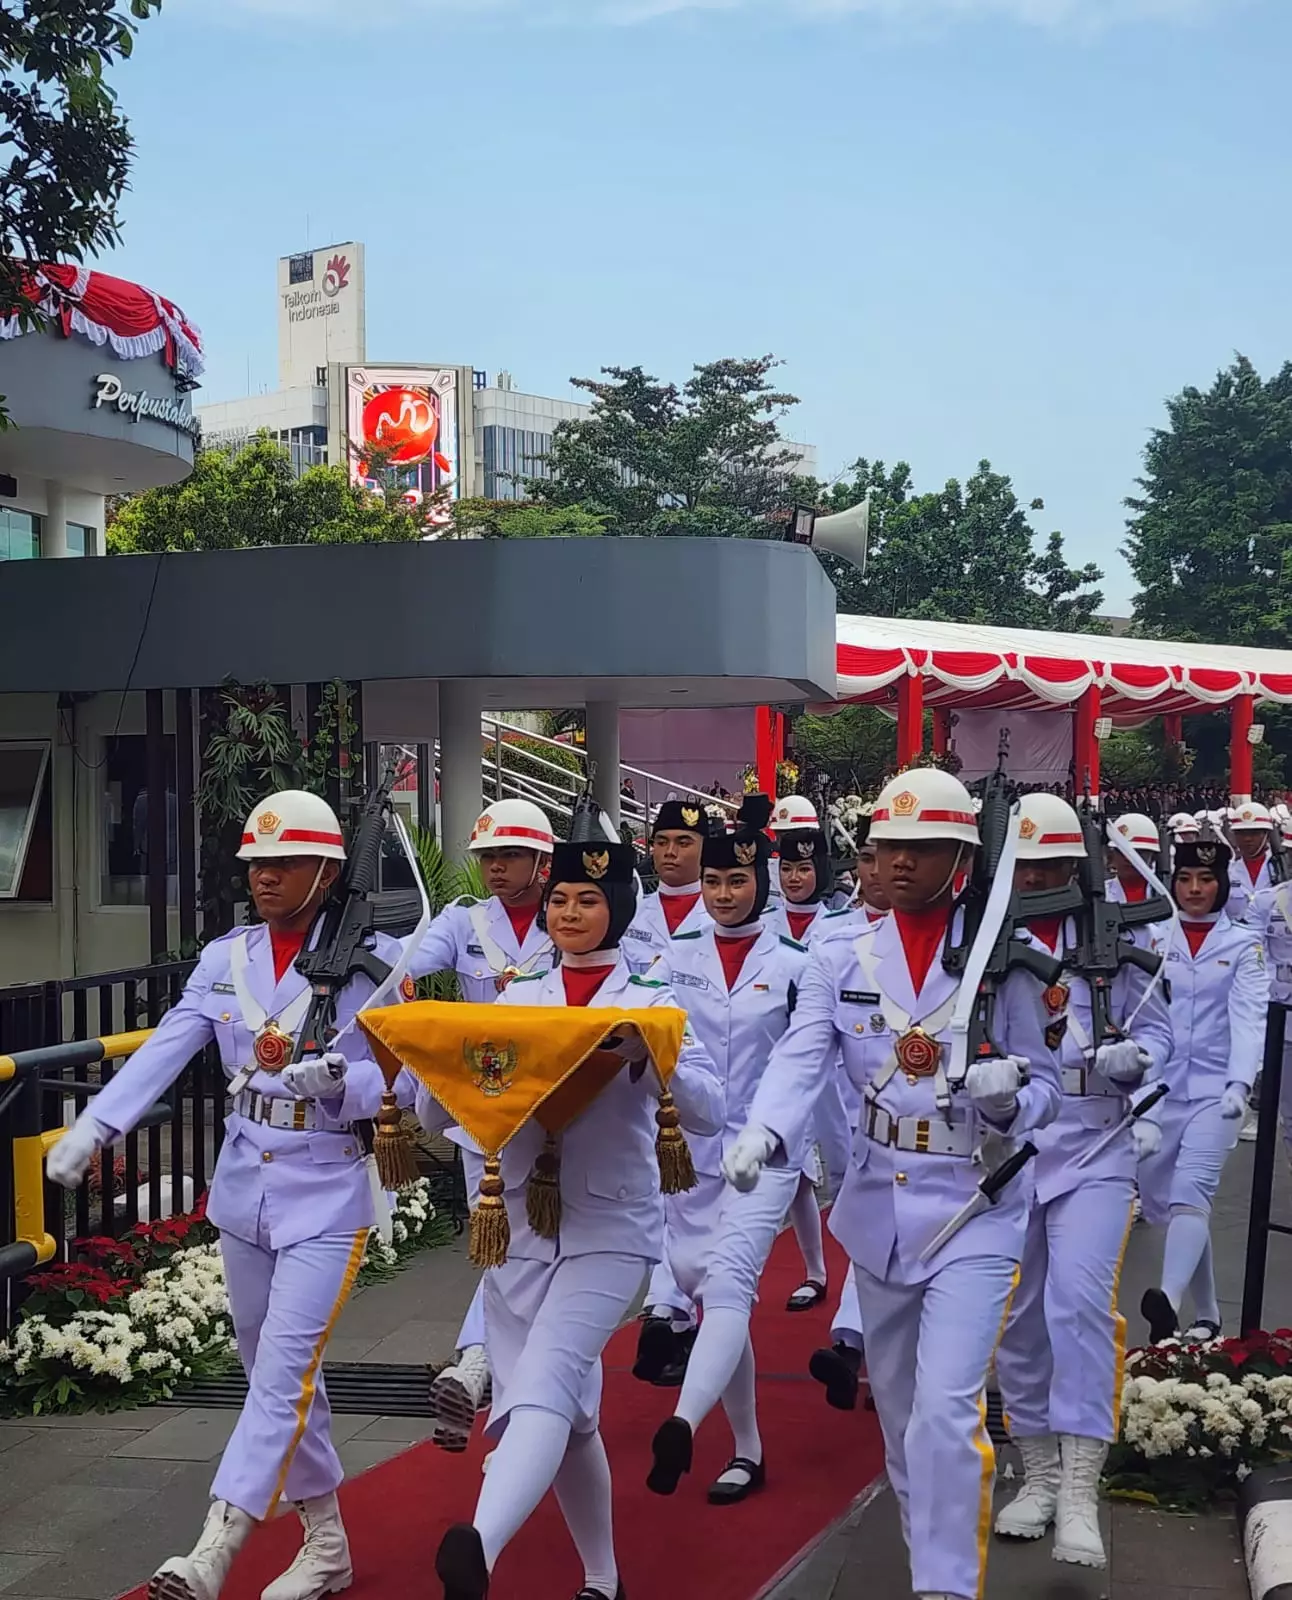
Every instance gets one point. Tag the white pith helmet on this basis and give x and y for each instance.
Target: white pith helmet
(1183, 826)
(292, 823)
(924, 803)
(1048, 830)
(1250, 816)
(512, 824)
(793, 812)
(1139, 831)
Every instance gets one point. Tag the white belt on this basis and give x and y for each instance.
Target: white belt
(299, 1116)
(926, 1136)
(1085, 1081)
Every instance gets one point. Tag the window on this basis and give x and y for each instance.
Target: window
(19, 535)
(123, 879)
(300, 269)
(82, 541)
(26, 823)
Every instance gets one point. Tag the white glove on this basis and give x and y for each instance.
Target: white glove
(1122, 1061)
(320, 1078)
(631, 1046)
(1233, 1103)
(753, 1149)
(1146, 1136)
(69, 1160)
(993, 1084)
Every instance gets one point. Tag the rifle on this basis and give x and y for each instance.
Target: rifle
(1102, 950)
(1008, 953)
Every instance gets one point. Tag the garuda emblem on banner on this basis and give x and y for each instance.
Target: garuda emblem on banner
(493, 1066)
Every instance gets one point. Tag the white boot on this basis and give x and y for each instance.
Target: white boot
(322, 1565)
(1076, 1524)
(200, 1575)
(456, 1395)
(1030, 1513)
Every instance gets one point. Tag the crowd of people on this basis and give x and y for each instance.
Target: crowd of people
(820, 1066)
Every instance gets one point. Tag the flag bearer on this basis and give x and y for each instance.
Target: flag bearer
(290, 1195)
(1126, 885)
(487, 943)
(737, 980)
(553, 1305)
(1060, 1363)
(888, 1001)
(1219, 993)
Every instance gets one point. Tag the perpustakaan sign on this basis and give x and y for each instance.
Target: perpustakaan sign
(138, 404)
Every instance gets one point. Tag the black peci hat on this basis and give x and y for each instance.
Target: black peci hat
(809, 844)
(590, 855)
(686, 816)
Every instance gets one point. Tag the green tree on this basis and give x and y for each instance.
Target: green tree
(705, 459)
(524, 519)
(1210, 543)
(238, 499)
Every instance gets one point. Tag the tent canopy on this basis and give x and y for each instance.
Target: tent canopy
(968, 666)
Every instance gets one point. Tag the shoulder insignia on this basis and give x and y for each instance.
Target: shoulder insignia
(793, 944)
(646, 983)
(678, 937)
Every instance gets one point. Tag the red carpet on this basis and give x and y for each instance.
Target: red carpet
(818, 1461)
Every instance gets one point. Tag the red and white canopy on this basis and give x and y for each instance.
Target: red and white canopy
(135, 321)
(967, 666)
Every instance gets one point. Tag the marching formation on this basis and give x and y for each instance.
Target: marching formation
(1017, 1021)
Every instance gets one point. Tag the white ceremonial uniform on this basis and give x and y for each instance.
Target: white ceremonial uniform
(931, 1327)
(555, 1302)
(648, 934)
(1060, 1363)
(1243, 889)
(475, 940)
(1218, 1004)
(291, 1198)
(1271, 913)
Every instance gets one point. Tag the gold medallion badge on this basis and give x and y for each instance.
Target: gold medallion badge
(1056, 998)
(408, 989)
(505, 977)
(691, 816)
(268, 822)
(918, 1053)
(273, 1048)
(1027, 829)
(745, 854)
(484, 824)
(493, 1067)
(596, 863)
(905, 804)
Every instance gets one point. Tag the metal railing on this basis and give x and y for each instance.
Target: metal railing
(1265, 1157)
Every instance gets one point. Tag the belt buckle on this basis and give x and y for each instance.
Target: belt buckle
(923, 1130)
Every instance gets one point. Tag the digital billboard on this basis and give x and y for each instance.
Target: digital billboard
(412, 413)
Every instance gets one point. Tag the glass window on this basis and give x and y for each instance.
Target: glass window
(19, 535)
(82, 541)
(123, 879)
(26, 848)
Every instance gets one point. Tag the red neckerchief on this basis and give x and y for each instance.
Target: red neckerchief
(1255, 868)
(582, 983)
(1048, 929)
(732, 953)
(1195, 933)
(285, 947)
(1136, 892)
(799, 921)
(677, 908)
(521, 919)
(922, 933)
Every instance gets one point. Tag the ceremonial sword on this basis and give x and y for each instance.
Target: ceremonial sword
(1135, 1111)
(984, 1197)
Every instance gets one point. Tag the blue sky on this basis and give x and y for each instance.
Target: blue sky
(1001, 228)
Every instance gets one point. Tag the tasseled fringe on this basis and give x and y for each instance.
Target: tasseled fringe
(676, 1168)
(490, 1229)
(543, 1192)
(391, 1146)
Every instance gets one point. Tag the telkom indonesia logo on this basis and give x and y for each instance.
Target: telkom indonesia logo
(336, 277)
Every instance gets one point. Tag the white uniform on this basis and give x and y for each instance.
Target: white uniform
(941, 1319)
(1060, 1362)
(554, 1304)
(1271, 913)
(1243, 889)
(648, 934)
(475, 940)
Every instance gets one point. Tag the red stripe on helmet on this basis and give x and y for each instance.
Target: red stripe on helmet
(1060, 838)
(506, 830)
(308, 836)
(966, 817)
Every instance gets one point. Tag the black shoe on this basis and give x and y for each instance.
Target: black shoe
(731, 1494)
(1201, 1331)
(657, 1348)
(460, 1564)
(673, 1374)
(672, 1450)
(596, 1594)
(806, 1297)
(838, 1369)
(1160, 1315)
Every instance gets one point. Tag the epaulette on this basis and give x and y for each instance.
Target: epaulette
(646, 983)
(695, 935)
(793, 943)
(528, 977)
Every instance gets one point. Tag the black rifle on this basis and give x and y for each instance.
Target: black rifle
(1102, 946)
(1009, 953)
(343, 949)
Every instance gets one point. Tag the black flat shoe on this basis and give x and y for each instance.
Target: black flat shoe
(1202, 1331)
(657, 1349)
(460, 1564)
(731, 1494)
(596, 1594)
(674, 1373)
(671, 1446)
(838, 1369)
(806, 1297)
(1160, 1315)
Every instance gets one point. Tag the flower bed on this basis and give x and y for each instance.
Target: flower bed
(1196, 1419)
(135, 1318)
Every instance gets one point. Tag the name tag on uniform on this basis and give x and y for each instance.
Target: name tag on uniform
(475, 950)
(762, 988)
(689, 980)
(1174, 955)
(858, 997)
(1221, 963)
(223, 988)
(637, 933)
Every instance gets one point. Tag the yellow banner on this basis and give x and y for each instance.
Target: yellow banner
(493, 1068)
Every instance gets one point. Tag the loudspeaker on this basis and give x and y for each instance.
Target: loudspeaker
(846, 535)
